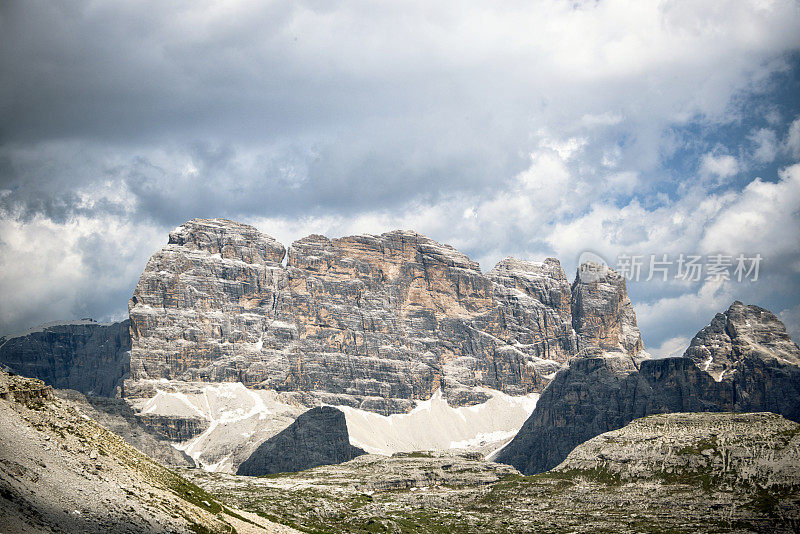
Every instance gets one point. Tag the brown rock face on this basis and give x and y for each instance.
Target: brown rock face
(602, 313)
(368, 321)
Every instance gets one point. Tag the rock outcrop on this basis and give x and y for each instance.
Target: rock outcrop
(117, 416)
(374, 322)
(317, 437)
(601, 391)
(82, 355)
(739, 332)
(760, 450)
(602, 313)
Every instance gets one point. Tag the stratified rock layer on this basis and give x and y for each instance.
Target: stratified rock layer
(602, 391)
(602, 313)
(374, 322)
(317, 437)
(83, 355)
(739, 332)
(173, 428)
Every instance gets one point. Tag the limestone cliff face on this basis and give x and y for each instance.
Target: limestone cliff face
(741, 331)
(369, 321)
(602, 391)
(83, 355)
(172, 428)
(534, 307)
(203, 303)
(602, 313)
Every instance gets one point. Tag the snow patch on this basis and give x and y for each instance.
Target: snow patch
(435, 425)
(238, 419)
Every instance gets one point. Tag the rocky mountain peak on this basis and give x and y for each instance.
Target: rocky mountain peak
(229, 239)
(602, 313)
(544, 281)
(742, 330)
(756, 370)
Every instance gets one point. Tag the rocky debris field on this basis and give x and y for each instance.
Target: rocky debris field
(372, 493)
(720, 473)
(62, 472)
(723, 450)
(117, 415)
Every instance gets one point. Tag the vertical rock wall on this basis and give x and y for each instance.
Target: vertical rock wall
(369, 321)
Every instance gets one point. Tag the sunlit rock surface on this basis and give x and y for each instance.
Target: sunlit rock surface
(740, 331)
(602, 313)
(372, 322)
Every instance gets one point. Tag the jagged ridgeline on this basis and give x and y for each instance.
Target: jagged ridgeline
(743, 361)
(374, 322)
(83, 355)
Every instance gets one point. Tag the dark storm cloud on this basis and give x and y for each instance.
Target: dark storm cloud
(326, 134)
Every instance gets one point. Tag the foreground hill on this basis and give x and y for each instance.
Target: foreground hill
(62, 472)
(705, 472)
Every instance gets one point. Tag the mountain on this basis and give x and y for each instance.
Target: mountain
(601, 391)
(373, 322)
(62, 472)
(83, 355)
(317, 437)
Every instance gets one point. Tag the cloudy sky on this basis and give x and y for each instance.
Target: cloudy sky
(527, 129)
